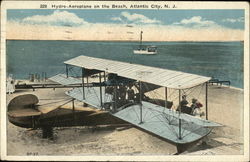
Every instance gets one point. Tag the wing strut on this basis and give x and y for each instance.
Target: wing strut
(100, 80)
(140, 93)
(180, 114)
(83, 93)
(67, 70)
(115, 98)
(206, 102)
(166, 97)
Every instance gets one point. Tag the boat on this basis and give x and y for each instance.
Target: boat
(145, 50)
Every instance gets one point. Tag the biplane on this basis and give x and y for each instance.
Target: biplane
(118, 94)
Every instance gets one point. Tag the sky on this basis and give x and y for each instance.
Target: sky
(125, 25)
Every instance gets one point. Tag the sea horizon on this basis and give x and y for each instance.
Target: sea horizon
(221, 60)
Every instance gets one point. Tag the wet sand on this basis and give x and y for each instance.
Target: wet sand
(225, 107)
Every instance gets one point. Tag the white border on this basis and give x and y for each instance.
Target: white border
(181, 5)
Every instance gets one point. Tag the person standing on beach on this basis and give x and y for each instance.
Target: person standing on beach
(10, 87)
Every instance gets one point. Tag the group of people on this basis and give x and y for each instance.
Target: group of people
(126, 93)
(194, 109)
(122, 93)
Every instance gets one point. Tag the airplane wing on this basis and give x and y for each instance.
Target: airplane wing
(164, 122)
(158, 76)
(92, 96)
(64, 80)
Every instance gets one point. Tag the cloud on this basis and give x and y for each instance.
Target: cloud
(57, 18)
(231, 20)
(56, 24)
(196, 22)
(113, 32)
(135, 18)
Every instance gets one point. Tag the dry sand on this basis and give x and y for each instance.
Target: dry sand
(225, 107)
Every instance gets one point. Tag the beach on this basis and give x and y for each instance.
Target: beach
(225, 106)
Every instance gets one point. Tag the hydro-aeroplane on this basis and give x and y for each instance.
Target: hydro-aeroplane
(118, 96)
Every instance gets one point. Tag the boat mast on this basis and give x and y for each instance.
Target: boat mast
(141, 40)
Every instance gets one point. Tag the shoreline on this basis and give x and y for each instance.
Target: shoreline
(231, 87)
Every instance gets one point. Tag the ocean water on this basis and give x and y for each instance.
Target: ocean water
(222, 60)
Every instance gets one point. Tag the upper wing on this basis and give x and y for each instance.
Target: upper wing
(158, 76)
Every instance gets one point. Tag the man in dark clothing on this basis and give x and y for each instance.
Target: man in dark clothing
(183, 106)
